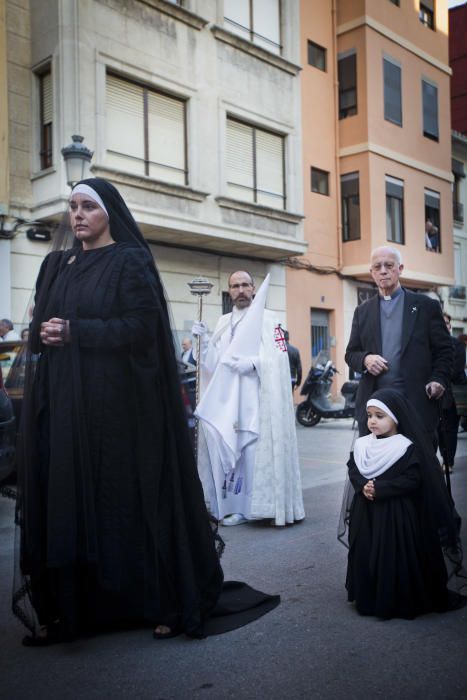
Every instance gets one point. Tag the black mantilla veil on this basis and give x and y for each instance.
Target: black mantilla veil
(113, 527)
(436, 502)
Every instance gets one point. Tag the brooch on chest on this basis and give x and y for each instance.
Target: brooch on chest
(71, 260)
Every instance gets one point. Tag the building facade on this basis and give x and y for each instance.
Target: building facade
(377, 158)
(281, 136)
(192, 110)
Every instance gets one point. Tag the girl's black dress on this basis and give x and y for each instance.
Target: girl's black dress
(395, 562)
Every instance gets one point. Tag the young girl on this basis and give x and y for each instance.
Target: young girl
(395, 562)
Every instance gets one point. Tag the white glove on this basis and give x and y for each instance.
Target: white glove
(199, 328)
(242, 365)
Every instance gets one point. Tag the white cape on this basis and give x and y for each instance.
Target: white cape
(267, 440)
(231, 419)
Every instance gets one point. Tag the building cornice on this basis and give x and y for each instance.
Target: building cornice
(367, 21)
(260, 210)
(148, 183)
(177, 12)
(254, 50)
(378, 150)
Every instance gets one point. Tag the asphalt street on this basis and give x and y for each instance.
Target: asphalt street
(314, 645)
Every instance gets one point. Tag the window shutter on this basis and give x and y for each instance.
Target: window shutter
(239, 160)
(270, 169)
(166, 127)
(392, 92)
(432, 199)
(125, 125)
(266, 24)
(237, 16)
(47, 98)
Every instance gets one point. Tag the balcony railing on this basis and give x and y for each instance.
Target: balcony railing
(458, 212)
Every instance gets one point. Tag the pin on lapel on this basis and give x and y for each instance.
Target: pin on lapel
(414, 308)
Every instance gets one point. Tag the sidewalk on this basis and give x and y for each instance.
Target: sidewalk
(314, 645)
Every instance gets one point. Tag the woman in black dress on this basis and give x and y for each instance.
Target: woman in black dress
(396, 566)
(113, 525)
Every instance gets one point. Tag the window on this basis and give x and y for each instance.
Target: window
(426, 13)
(319, 181)
(255, 20)
(392, 91)
(46, 117)
(347, 72)
(227, 303)
(316, 55)
(319, 332)
(145, 131)
(430, 110)
(394, 210)
(350, 204)
(457, 207)
(255, 165)
(432, 221)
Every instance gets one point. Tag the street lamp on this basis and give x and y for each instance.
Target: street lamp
(77, 158)
(199, 287)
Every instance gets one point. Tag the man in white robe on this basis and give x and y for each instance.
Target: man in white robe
(247, 451)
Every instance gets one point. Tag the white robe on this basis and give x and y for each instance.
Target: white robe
(268, 464)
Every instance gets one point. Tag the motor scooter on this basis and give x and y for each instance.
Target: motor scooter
(317, 387)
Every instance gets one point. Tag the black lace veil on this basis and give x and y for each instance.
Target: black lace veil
(176, 450)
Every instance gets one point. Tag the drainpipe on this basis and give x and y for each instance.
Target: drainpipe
(336, 135)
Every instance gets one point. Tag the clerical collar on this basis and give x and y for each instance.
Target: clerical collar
(388, 297)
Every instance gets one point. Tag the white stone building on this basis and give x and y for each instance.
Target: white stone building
(455, 297)
(192, 110)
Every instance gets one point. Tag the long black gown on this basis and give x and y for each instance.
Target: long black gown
(395, 561)
(113, 521)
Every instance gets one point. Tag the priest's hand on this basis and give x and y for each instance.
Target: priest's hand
(242, 365)
(55, 332)
(375, 364)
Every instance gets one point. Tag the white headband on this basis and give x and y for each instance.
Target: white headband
(383, 407)
(85, 189)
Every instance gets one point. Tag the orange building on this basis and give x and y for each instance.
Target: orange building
(376, 158)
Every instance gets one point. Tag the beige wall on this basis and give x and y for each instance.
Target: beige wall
(376, 147)
(308, 290)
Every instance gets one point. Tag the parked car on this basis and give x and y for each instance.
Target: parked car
(13, 364)
(7, 429)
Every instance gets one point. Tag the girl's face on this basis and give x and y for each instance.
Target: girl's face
(379, 423)
(89, 222)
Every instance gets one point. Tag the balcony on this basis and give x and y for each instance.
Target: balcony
(458, 212)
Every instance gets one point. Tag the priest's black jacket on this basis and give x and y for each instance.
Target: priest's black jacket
(426, 353)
